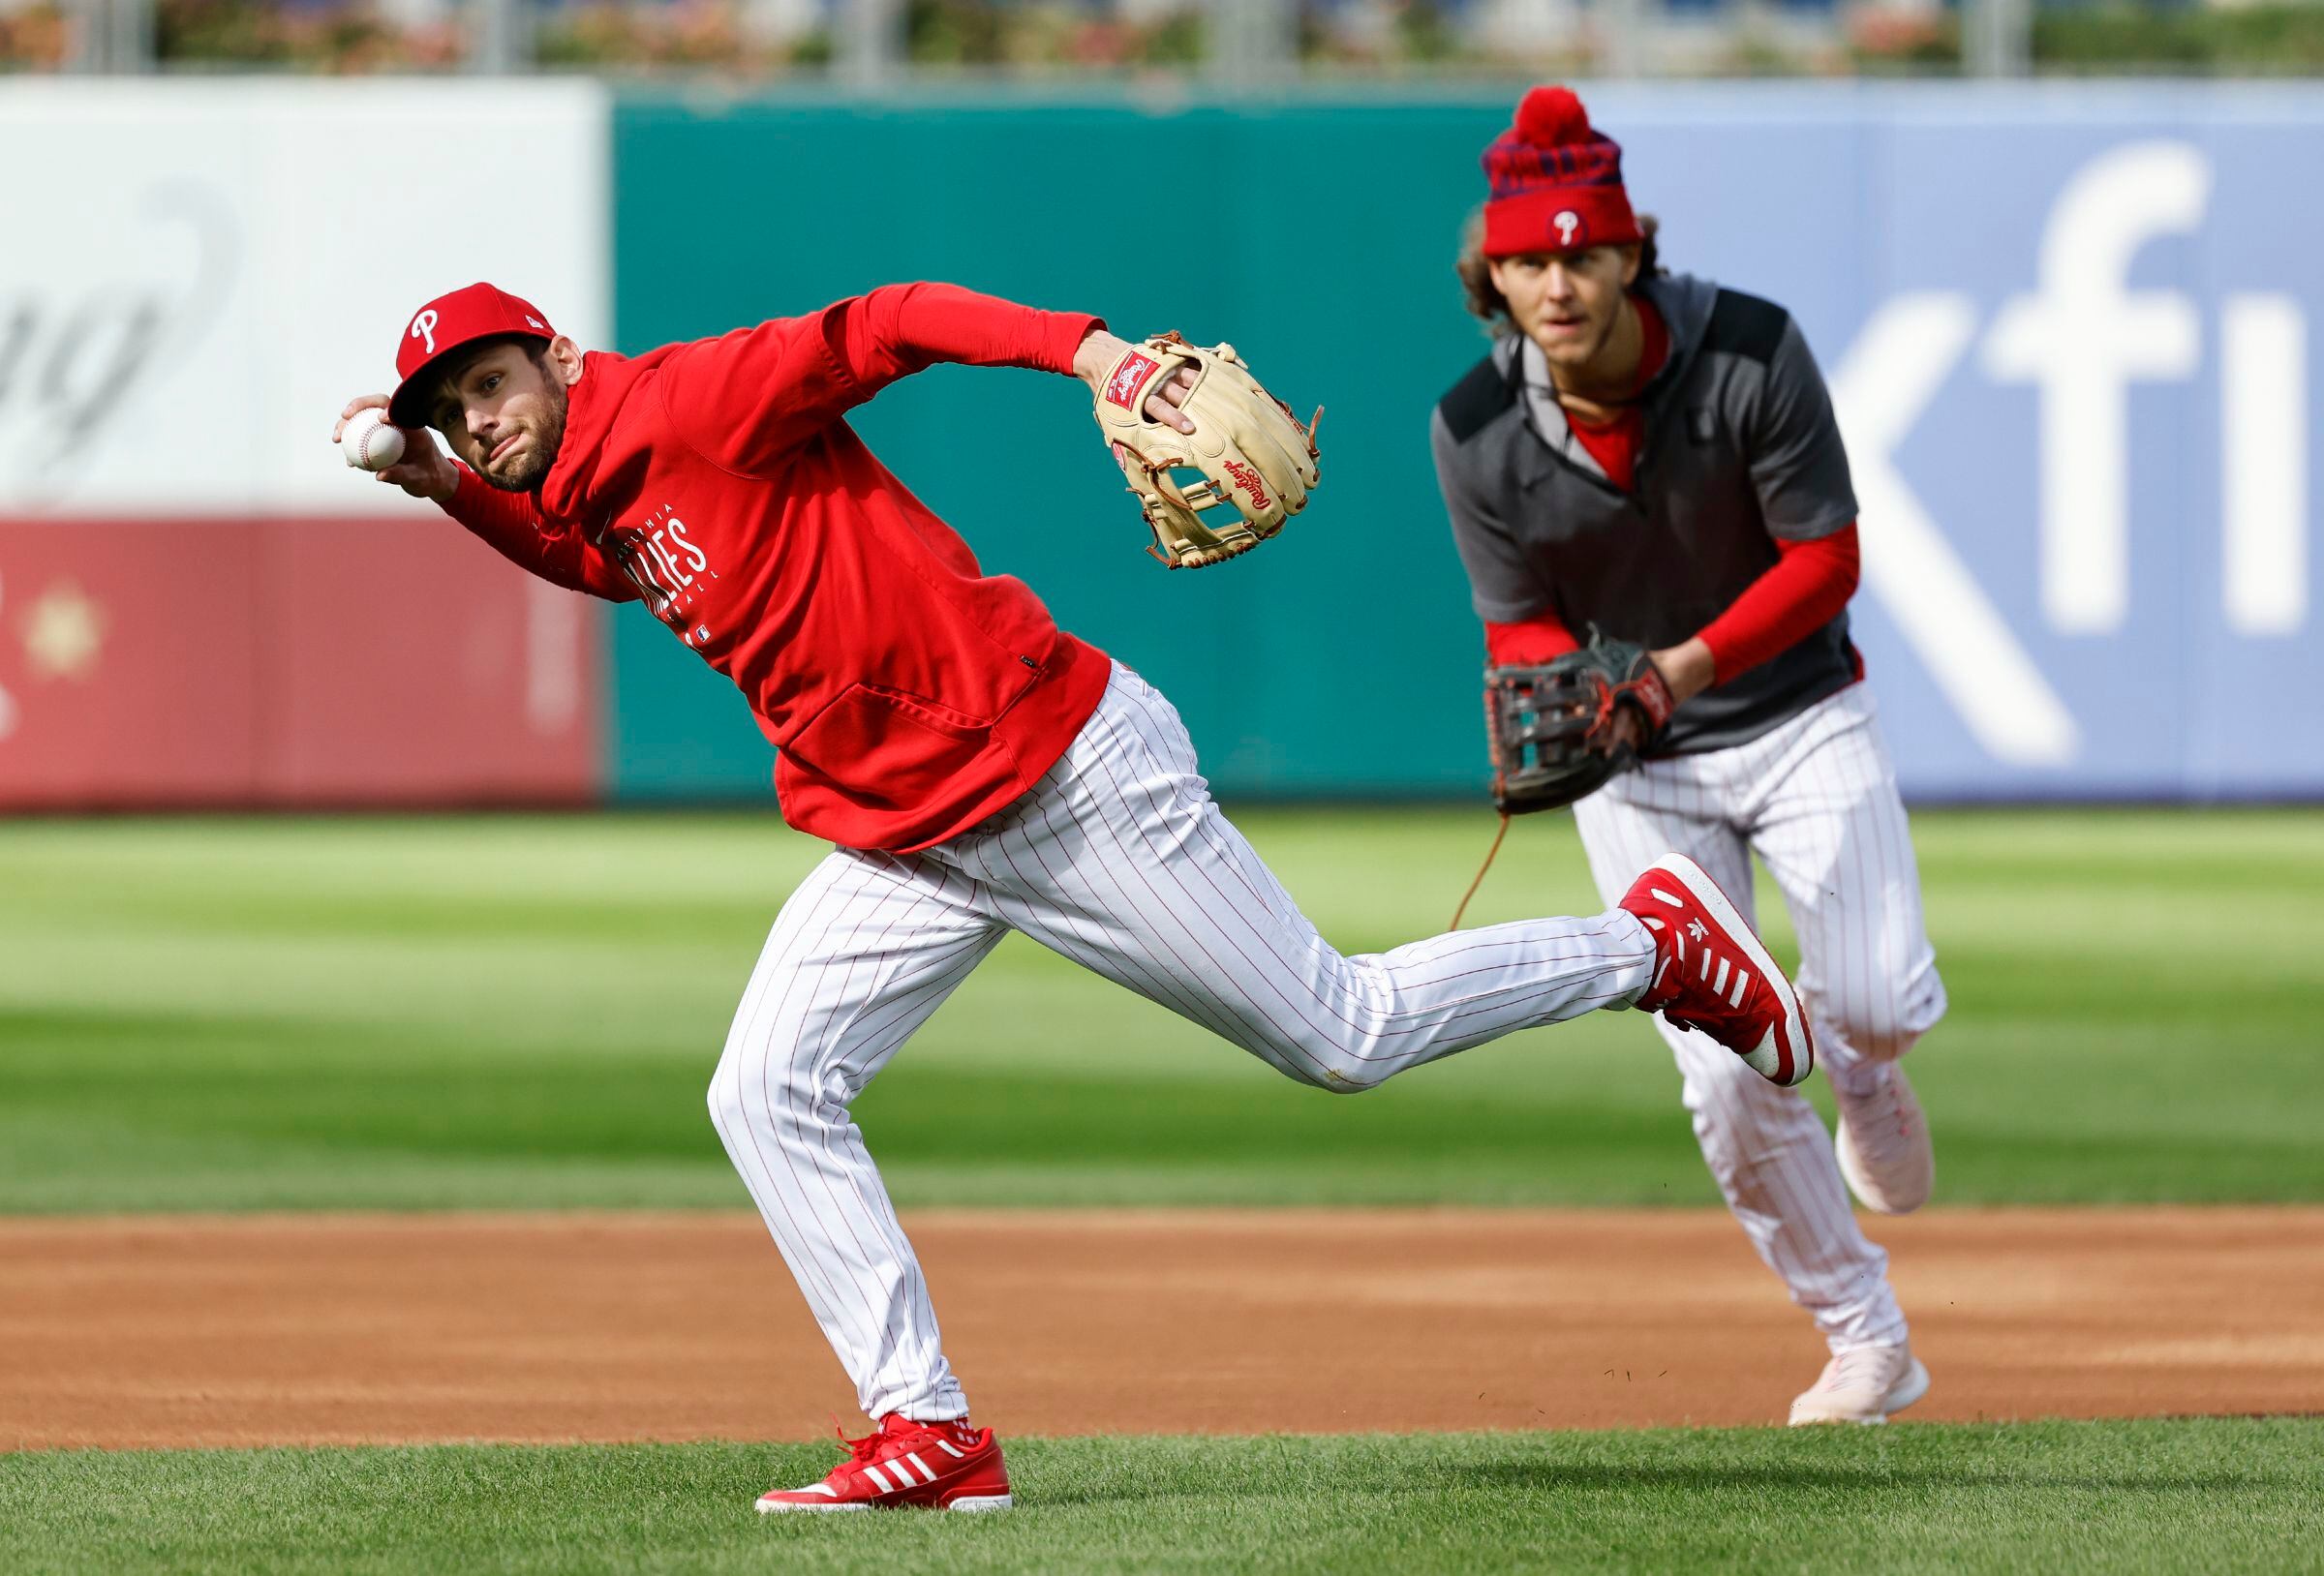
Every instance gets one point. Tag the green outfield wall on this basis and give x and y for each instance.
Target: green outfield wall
(1356, 621)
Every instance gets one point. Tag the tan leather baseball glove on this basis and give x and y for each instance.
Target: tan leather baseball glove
(1252, 453)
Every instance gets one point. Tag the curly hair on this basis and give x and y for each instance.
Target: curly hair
(1489, 306)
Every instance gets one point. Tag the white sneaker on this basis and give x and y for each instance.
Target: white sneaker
(1863, 1386)
(1883, 1144)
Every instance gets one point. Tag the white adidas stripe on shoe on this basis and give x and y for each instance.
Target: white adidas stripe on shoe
(1698, 910)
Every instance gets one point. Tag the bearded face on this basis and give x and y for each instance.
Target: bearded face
(502, 410)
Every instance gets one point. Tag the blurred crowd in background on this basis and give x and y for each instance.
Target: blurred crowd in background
(1250, 41)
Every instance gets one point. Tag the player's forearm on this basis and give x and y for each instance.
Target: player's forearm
(511, 527)
(900, 329)
(1800, 593)
(499, 518)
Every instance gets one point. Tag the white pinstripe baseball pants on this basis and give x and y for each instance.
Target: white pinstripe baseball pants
(1816, 799)
(1119, 861)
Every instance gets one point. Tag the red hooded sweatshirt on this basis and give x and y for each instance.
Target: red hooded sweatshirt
(910, 695)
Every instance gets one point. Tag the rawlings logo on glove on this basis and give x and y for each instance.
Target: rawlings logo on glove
(1248, 480)
(1256, 459)
(1129, 380)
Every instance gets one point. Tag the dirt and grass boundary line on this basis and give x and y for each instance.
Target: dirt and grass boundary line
(143, 1331)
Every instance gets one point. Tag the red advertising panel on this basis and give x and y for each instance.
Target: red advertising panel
(285, 662)
(128, 663)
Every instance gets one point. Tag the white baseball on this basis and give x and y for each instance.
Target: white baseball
(369, 441)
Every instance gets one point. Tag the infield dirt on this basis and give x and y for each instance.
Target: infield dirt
(161, 1330)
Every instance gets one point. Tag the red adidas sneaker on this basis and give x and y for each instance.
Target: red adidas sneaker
(943, 1466)
(1710, 972)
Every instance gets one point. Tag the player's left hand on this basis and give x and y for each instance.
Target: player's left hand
(1687, 669)
(1100, 349)
(1559, 731)
(1626, 735)
(1234, 447)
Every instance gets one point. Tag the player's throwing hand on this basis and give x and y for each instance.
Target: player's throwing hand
(424, 471)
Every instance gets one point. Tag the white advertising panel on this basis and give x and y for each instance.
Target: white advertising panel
(195, 277)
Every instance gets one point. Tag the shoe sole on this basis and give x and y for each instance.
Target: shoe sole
(1767, 1063)
(972, 1504)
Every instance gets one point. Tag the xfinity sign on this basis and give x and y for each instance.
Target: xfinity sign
(2085, 336)
(2074, 357)
(2082, 339)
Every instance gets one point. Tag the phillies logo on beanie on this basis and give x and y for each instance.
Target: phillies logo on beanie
(1555, 182)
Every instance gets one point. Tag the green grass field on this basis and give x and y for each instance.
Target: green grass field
(524, 1013)
(2206, 1496)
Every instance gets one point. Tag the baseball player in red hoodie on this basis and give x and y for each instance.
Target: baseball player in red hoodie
(977, 770)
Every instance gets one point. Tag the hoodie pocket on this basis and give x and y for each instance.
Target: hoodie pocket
(889, 747)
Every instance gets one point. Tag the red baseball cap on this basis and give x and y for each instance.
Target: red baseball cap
(444, 325)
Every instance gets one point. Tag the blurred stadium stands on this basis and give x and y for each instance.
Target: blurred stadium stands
(1259, 43)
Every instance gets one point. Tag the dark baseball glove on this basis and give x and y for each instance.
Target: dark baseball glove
(1551, 728)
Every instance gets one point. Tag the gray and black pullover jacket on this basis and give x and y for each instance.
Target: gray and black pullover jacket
(1739, 448)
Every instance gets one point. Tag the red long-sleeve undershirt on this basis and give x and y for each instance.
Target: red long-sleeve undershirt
(1799, 593)
(512, 524)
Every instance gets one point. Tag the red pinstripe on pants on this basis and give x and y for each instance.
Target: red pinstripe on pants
(1119, 861)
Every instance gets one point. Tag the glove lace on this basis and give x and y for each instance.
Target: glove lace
(1463, 908)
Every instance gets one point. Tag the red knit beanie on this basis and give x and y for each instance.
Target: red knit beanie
(1556, 184)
